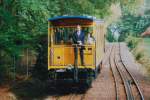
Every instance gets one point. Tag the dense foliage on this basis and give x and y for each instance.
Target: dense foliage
(23, 23)
(132, 21)
(132, 24)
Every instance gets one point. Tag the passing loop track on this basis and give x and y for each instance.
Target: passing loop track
(134, 82)
(118, 78)
(126, 86)
(114, 77)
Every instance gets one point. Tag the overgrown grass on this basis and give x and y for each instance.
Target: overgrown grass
(133, 42)
(146, 60)
(146, 44)
(140, 48)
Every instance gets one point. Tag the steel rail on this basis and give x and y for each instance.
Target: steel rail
(135, 82)
(114, 77)
(123, 78)
(126, 85)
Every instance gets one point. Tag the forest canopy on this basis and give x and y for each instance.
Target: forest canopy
(24, 22)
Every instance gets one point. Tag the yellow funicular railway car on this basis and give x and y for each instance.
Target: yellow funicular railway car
(66, 57)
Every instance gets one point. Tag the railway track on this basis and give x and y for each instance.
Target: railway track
(137, 93)
(126, 86)
(117, 76)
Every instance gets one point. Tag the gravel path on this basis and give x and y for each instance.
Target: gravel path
(103, 87)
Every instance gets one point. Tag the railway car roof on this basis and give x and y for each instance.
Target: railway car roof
(71, 20)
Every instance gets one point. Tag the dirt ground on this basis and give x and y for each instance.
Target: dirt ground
(103, 87)
(6, 94)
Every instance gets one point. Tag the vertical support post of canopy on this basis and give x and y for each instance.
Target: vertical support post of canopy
(48, 44)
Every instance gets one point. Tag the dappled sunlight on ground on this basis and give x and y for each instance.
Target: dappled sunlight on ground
(5, 94)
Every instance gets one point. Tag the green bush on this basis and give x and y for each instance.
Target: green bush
(110, 37)
(136, 46)
(5, 63)
(2, 74)
(138, 53)
(133, 42)
(40, 69)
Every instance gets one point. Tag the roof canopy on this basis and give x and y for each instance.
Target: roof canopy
(71, 20)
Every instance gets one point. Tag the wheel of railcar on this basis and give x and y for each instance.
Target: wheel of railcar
(51, 75)
(95, 73)
(89, 81)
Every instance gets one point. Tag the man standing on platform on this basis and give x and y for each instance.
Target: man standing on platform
(78, 40)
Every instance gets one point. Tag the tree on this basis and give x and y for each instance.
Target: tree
(131, 21)
(22, 22)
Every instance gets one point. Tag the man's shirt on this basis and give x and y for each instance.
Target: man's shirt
(78, 33)
(78, 36)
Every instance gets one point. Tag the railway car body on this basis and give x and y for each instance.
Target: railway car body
(61, 56)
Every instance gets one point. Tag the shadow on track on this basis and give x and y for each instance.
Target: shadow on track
(35, 89)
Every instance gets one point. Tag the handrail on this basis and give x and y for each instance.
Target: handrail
(87, 45)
